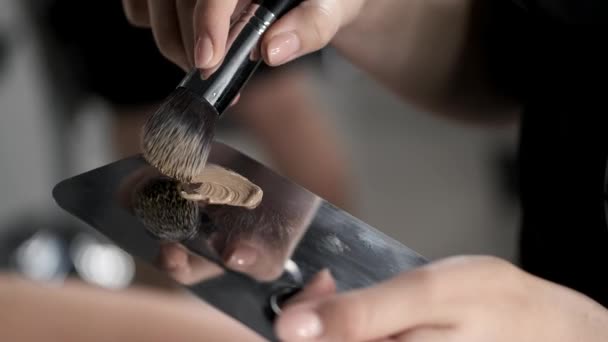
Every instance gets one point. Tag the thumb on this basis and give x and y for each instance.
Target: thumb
(307, 28)
(367, 314)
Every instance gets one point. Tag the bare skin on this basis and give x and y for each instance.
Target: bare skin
(76, 312)
(79, 312)
(473, 299)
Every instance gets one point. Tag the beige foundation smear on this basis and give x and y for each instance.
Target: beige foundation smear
(217, 185)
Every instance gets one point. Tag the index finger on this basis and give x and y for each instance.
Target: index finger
(211, 26)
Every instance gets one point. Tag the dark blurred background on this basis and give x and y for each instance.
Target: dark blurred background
(70, 102)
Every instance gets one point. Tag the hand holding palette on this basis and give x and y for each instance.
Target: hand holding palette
(242, 239)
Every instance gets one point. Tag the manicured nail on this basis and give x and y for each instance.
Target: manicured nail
(323, 275)
(172, 257)
(242, 257)
(203, 53)
(301, 325)
(283, 47)
(236, 100)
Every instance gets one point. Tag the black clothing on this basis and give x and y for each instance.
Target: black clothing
(550, 54)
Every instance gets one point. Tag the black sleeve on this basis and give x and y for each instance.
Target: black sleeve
(525, 41)
(504, 40)
(578, 12)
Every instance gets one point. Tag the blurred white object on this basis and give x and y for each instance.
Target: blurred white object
(41, 258)
(102, 264)
(294, 271)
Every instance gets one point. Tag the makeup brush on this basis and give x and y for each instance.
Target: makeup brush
(177, 137)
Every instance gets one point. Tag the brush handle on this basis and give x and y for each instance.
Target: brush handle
(278, 7)
(243, 56)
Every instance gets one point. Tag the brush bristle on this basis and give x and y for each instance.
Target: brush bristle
(177, 137)
(164, 213)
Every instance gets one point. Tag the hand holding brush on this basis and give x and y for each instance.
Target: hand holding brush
(195, 32)
(177, 137)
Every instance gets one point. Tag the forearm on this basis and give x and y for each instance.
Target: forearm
(428, 52)
(75, 312)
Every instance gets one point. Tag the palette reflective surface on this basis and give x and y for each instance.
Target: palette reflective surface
(239, 259)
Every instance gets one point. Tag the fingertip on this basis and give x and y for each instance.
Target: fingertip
(307, 28)
(203, 52)
(172, 257)
(211, 26)
(282, 48)
(242, 257)
(236, 100)
(209, 50)
(324, 282)
(299, 324)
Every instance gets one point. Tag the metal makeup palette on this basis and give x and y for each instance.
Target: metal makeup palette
(243, 261)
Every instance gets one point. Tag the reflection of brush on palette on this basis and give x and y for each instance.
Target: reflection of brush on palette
(171, 211)
(164, 212)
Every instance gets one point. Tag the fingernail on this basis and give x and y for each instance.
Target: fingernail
(203, 53)
(304, 325)
(283, 47)
(173, 258)
(236, 100)
(242, 257)
(324, 274)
